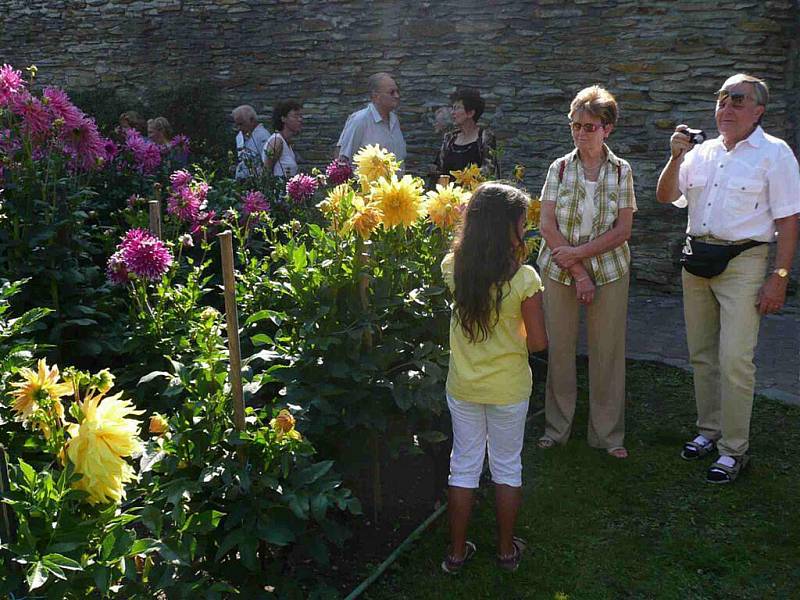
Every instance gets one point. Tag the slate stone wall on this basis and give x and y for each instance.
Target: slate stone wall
(662, 58)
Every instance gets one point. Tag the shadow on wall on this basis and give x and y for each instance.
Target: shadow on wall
(193, 109)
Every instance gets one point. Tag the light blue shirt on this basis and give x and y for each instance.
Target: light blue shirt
(366, 127)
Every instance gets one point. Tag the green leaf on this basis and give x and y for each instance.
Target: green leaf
(37, 576)
(152, 375)
(259, 316)
(204, 522)
(62, 561)
(312, 473)
(277, 532)
(432, 437)
(27, 473)
(261, 339)
(143, 546)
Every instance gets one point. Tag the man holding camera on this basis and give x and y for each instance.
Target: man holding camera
(742, 190)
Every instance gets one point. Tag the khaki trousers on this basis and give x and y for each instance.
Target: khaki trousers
(606, 319)
(722, 324)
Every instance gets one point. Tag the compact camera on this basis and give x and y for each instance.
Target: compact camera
(696, 136)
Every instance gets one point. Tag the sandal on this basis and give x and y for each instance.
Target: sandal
(511, 563)
(698, 448)
(722, 473)
(618, 452)
(545, 443)
(452, 565)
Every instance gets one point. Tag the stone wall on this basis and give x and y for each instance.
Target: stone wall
(662, 58)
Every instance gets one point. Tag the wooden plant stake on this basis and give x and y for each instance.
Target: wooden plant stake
(232, 321)
(154, 207)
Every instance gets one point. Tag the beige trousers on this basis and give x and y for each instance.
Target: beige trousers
(722, 324)
(606, 319)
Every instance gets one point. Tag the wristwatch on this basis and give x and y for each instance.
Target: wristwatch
(782, 273)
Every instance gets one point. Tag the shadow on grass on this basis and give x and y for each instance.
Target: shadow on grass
(645, 527)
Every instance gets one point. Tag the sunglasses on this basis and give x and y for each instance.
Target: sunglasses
(587, 127)
(737, 99)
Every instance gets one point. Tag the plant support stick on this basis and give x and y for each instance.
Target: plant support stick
(232, 321)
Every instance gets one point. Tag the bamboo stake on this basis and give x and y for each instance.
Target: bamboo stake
(155, 212)
(232, 320)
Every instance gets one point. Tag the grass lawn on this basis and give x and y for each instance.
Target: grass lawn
(646, 527)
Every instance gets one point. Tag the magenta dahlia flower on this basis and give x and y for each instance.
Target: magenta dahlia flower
(187, 201)
(254, 202)
(180, 144)
(338, 172)
(144, 255)
(61, 107)
(84, 144)
(301, 187)
(146, 154)
(116, 269)
(11, 83)
(36, 120)
(180, 179)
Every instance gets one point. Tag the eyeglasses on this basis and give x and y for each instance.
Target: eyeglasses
(737, 98)
(587, 127)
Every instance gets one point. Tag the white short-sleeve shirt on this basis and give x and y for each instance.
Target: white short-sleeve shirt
(250, 152)
(737, 195)
(286, 165)
(366, 127)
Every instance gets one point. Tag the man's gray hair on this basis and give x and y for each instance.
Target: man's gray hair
(245, 111)
(759, 86)
(374, 82)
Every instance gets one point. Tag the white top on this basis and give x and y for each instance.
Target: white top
(286, 165)
(737, 195)
(366, 127)
(587, 208)
(250, 152)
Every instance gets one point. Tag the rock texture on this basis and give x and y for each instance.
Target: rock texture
(662, 58)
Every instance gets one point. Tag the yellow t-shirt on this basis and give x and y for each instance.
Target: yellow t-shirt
(496, 370)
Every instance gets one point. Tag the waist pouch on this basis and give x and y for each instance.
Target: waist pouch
(709, 260)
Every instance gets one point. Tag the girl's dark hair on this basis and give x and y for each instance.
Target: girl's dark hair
(484, 257)
(471, 99)
(281, 110)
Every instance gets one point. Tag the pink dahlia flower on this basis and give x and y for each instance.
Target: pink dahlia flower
(146, 154)
(301, 187)
(11, 83)
(254, 202)
(180, 144)
(36, 120)
(187, 202)
(61, 107)
(180, 179)
(116, 270)
(338, 172)
(145, 255)
(85, 144)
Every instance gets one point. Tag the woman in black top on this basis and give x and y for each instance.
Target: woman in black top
(468, 143)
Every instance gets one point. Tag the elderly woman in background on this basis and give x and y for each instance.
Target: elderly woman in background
(587, 212)
(469, 143)
(287, 121)
(159, 130)
(251, 139)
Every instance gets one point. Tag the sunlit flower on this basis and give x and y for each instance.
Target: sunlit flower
(254, 202)
(146, 154)
(99, 445)
(186, 241)
(186, 203)
(116, 269)
(338, 172)
(335, 198)
(534, 213)
(469, 177)
(158, 424)
(11, 82)
(400, 200)
(301, 187)
(373, 162)
(283, 425)
(40, 390)
(62, 108)
(365, 219)
(180, 179)
(149, 259)
(85, 144)
(36, 120)
(443, 204)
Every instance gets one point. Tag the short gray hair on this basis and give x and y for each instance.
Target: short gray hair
(759, 86)
(246, 111)
(374, 81)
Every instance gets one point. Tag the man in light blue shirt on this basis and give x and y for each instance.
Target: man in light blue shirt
(250, 142)
(375, 124)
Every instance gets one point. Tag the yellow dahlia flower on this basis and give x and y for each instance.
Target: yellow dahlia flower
(400, 200)
(365, 219)
(158, 424)
(99, 445)
(469, 177)
(283, 425)
(534, 213)
(373, 162)
(335, 198)
(445, 203)
(519, 172)
(40, 390)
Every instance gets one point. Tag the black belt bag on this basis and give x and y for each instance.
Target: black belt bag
(709, 260)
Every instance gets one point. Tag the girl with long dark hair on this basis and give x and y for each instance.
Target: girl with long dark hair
(496, 320)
